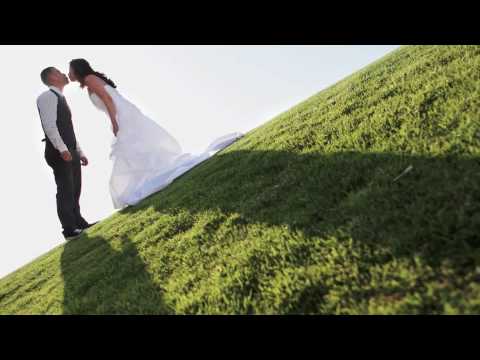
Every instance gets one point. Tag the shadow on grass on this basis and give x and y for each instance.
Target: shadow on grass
(99, 279)
(433, 212)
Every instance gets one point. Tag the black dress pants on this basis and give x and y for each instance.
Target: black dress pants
(68, 177)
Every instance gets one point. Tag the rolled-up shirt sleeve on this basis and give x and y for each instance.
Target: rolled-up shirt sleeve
(47, 107)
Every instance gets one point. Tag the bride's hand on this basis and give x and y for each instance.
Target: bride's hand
(115, 128)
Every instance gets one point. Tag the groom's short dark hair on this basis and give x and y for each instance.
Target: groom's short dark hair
(44, 74)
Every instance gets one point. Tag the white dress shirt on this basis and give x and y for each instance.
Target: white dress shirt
(47, 106)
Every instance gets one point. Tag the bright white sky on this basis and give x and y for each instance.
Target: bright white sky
(197, 93)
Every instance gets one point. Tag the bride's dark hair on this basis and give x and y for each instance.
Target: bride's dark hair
(82, 69)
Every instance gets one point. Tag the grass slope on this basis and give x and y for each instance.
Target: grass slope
(302, 215)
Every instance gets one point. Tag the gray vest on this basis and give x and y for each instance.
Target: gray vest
(64, 124)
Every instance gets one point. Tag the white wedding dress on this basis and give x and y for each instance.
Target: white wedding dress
(146, 158)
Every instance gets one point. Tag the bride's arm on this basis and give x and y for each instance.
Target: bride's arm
(96, 86)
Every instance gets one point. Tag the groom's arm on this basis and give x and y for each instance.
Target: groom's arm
(47, 107)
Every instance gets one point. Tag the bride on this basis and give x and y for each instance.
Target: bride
(146, 158)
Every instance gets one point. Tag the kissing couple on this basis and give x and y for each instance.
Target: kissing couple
(146, 158)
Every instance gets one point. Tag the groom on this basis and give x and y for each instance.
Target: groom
(62, 151)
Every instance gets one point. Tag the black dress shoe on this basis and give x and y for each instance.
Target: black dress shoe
(69, 235)
(87, 225)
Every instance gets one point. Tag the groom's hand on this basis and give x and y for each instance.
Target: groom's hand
(66, 156)
(84, 160)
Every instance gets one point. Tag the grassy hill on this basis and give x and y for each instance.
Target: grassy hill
(302, 215)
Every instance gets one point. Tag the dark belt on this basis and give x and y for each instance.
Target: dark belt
(43, 140)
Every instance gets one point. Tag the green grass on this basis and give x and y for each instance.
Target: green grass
(302, 214)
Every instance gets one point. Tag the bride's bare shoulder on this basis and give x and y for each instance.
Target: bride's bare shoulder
(91, 79)
(94, 83)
